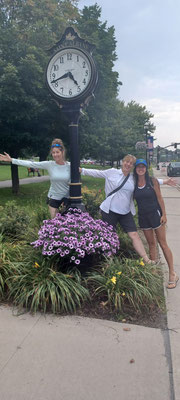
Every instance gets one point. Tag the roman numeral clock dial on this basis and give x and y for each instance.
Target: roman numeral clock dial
(69, 74)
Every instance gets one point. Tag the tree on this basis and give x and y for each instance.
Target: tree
(93, 128)
(109, 128)
(29, 117)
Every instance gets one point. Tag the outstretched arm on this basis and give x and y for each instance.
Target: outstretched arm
(167, 181)
(96, 173)
(5, 157)
(170, 182)
(25, 163)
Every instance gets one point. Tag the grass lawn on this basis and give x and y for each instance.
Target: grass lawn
(5, 172)
(32, 193)
(28, 195)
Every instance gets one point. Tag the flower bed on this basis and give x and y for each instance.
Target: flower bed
(75, 235)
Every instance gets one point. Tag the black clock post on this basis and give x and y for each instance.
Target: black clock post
(72, 77)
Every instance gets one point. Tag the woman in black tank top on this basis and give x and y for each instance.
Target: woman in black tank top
(152, 216)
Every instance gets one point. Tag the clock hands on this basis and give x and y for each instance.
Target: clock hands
(72, 77)
(67, 75)
(61, 77)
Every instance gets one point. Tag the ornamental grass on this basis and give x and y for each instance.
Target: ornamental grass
(8, 252)
(127, 282)
(39, 286)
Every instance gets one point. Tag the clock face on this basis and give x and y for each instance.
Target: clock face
(69, 73)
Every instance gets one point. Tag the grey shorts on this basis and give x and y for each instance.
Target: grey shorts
(126, 221)
(150, 220)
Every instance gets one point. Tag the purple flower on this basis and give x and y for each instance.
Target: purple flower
(75, 235)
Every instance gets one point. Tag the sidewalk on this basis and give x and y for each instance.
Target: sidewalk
(74, 358)
(172, 202)
(25, 181)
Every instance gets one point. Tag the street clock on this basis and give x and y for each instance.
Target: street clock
(71, 73)
(71, 78)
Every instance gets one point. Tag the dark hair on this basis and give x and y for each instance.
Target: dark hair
(148, 179)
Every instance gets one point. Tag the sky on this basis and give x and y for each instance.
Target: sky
(148, 58)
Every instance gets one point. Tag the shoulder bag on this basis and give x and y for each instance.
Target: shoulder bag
(119, 187)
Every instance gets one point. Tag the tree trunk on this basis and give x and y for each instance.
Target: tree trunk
(15, 178)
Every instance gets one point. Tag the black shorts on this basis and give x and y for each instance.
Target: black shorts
(126, 221)
(56, 203)
(150, 220)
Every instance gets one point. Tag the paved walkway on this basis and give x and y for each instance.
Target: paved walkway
(74, 358)
(172, 202)
(25, 181)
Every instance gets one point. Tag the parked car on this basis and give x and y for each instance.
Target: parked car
(173, 169)
(88, 161)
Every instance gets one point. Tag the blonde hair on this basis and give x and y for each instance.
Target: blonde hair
(62, 148)
(129, 157)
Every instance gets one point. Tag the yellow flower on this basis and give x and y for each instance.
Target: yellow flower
(36, 265)
(123, 294)
(113, 280)
(141, 263)
(119, 273)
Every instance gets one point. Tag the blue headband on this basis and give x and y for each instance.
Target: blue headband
(56, 145)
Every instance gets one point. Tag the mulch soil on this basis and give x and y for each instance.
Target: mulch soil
(153, 318)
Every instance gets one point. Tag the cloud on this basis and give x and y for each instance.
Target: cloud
(168, 87)
(166, 119)
(148, 50)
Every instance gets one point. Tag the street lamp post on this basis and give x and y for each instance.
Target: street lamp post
(146, 127)
(158, 156)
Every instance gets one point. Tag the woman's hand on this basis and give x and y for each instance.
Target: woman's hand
(163, 220)
(170, 182)
(80, 170)
(5, 157)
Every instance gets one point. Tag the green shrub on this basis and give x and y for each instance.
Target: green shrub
(127, 281)
(8, 252)
(38, 213)
(13, 220)
(126, 247)
(92, 200)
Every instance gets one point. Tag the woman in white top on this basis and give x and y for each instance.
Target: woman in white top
(119, 206)
(59, 173)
